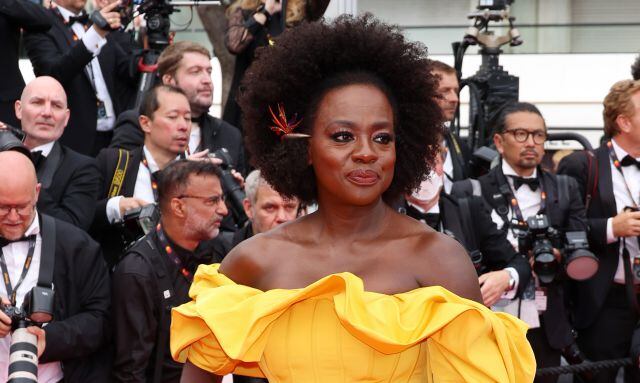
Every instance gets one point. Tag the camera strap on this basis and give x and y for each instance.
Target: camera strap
(507, 192)
(628, 278)
(618, 165)
(119, 173)
(12, 291)
(48, 251)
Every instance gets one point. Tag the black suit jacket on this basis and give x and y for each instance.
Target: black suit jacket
(571, 217)
(15, 15)
(55, 54)
(110, 236)
(497, 252)
(590, 295)
(215, 134)
(70, 190)
(77, 335)
(460, 156)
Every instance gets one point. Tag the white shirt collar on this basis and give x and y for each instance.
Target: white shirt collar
(153, 165)
(46, 148)
(507, 170)
(620, 153)
(65, 13)
(34, 228)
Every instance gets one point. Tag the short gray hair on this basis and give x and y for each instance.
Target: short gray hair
(252, 184)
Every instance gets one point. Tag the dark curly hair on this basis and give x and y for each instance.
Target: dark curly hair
(311, 59)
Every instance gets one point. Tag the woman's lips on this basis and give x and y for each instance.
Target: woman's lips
(363, 177)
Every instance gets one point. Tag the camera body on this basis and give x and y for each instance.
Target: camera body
(138, 222)
(539, 238)
(36, 309)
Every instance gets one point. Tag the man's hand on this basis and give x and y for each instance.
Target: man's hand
(492, 285)
(41, 334)
(5, 321)
(626, 224)
(131, 203)
(113, 18)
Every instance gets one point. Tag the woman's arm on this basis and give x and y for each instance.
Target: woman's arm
(193, 374)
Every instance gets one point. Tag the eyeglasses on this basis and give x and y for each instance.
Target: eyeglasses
(24, 209)
(522, 135)
(207, 201)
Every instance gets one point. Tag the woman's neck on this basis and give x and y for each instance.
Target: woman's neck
(348, 221)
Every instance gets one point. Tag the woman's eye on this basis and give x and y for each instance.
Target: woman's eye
(342, 136)
(384, 138)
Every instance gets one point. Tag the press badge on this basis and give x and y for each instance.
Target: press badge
(541, 300)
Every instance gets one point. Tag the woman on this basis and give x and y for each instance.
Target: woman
(256, 23)
(342, 294)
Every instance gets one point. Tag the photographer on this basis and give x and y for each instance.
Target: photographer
(71, 346)
(98, 76)
(187, 66)
(503, 273)
(518, 189)
(606, 306)
(156, 273)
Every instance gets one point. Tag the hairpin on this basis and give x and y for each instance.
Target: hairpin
(283, 128)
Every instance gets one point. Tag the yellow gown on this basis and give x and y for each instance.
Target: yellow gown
(334, 331)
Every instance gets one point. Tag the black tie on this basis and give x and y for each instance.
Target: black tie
(519, 181)
(4, 242)
(629, 161)
(82, 18)
(37, 158)
(431, 219)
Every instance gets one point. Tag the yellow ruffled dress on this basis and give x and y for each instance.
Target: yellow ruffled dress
(334, 331)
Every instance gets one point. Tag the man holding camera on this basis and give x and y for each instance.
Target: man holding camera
(94, 70)
(130, 179)
(503, 273)
(69, 180)
(35, 248)
(606, 306)
(187, 66)
(156, 273)
(517, 190)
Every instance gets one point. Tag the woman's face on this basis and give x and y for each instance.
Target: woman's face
(352, 149)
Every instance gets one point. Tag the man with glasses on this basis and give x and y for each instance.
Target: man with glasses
(517, 189)
(156, 273)
(71, 348)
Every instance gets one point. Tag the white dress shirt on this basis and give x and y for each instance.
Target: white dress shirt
(529, 202)
(45, 149)
(94, 43)
(142, 189)
(15, 255)
(623, 199)
(447, 167)
(194, 137)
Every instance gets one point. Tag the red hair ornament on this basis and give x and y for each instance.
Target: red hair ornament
(284, 128)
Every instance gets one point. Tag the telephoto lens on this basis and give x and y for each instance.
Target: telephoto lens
(23, 357)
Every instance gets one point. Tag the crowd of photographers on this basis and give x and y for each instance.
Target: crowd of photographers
(107, 209)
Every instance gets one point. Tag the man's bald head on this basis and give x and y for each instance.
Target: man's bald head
(43, 111)
(19, 190)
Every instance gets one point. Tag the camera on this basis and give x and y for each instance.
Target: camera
(36, 310)
(540, 239)
(230, 186)
(138, 222)
(11, 139)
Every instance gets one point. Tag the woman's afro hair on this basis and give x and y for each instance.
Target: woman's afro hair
(309, 60)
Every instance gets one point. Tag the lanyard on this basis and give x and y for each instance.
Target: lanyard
(517, 219)
(617, 165)
(11, 292)
(171, 254)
